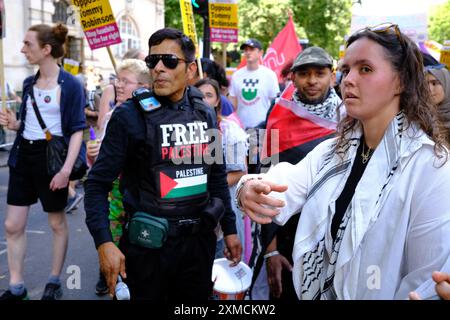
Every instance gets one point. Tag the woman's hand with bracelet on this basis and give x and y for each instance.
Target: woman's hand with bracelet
(252, 198)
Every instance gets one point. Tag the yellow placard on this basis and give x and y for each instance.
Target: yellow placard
(223, 15)
(445, 54)
(187, 16)
(445, 58)
(98, 23)
(341, 51)
(94, 13)
(71, 66)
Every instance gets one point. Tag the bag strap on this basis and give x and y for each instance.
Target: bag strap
(48, 135)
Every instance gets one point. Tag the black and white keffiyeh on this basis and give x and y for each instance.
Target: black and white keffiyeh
(369, 259)
(326, 109)
(318, 265)
(314, 285)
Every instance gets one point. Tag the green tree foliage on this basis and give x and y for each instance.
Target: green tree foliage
(325, 22)
(172, 17)
(263, 19)
(439, 23)
(260, 19)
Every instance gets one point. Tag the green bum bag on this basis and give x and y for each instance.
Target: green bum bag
(147, 231)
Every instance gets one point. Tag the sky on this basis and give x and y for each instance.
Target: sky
(393, 7)
(410, 15)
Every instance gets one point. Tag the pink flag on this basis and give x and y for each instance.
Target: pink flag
(284, 48)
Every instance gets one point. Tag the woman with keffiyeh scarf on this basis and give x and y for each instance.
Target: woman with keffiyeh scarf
(374, 222)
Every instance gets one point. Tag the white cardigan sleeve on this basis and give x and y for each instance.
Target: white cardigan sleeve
(299, 179)
(428, 239)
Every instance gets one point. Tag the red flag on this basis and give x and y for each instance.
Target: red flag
(295, 126)
(284, 48)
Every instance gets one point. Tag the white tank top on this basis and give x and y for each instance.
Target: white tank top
(48, 105)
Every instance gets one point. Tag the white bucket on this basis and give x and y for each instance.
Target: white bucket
(230, 283)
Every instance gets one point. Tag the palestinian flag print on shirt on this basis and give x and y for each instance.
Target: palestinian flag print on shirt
(183, 183)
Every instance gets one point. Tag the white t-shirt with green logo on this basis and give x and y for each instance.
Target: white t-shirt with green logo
(254, 91)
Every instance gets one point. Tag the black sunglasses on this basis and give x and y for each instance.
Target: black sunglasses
(169, 60)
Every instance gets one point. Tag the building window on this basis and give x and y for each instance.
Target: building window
(60, 14)
(73, 48)
(129, 35)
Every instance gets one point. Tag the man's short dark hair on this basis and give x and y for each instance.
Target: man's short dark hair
(185, 43)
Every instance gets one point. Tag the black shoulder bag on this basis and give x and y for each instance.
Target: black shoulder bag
(57, 149)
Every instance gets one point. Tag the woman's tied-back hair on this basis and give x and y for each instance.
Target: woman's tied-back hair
(415, 99)
(185, 43)
(136, 67)
(53, 36)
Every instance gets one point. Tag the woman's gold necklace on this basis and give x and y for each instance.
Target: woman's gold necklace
(366, 155)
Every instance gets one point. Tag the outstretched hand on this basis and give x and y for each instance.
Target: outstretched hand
(442, 280)
(256, 203)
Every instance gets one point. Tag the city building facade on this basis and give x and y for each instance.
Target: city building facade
(136, 19)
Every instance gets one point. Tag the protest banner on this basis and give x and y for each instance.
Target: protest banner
(187, 16)
(223, 20)
(71, 66)
(99, 24)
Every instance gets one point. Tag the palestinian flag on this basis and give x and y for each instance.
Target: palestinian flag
(182, 187)
(292, 131)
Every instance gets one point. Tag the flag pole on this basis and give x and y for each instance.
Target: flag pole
(290, 13)
(224, 55)
(199, 62)
(2, 77)
(113, 61)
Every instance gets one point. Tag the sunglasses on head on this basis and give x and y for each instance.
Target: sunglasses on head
(385, 28)
(169, 60)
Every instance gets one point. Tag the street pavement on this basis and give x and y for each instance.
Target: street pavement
(80, 271)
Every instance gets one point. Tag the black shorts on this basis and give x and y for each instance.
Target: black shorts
(29, 180)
